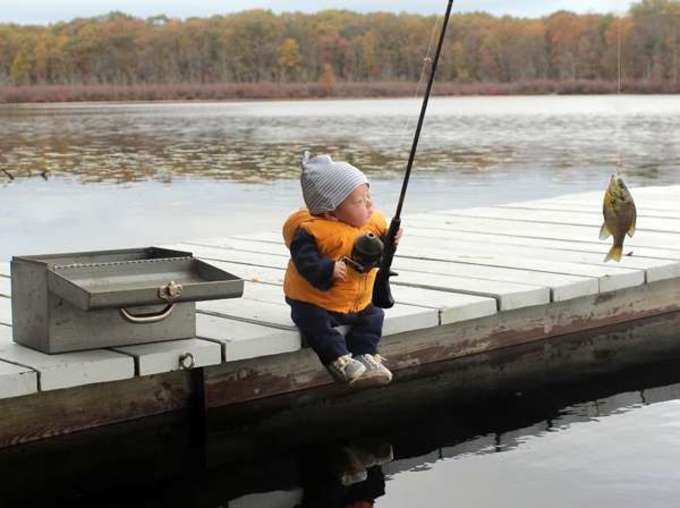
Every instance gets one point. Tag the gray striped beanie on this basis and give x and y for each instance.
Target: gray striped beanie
(326, 183)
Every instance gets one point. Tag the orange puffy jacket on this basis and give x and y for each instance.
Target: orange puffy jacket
(334, 239)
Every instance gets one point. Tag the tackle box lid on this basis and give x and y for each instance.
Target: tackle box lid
(134, 277)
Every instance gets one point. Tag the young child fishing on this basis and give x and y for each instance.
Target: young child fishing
(323, 285)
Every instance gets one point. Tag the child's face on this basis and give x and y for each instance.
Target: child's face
(357, 208)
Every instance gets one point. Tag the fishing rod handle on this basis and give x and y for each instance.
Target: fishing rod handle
(382, 292)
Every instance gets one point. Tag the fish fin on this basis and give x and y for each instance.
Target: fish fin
(631, 230)
(614, 253)
(604, 232)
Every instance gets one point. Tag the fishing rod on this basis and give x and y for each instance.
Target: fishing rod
(382, 293)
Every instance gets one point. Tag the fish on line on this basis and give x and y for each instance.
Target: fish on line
(620, 216)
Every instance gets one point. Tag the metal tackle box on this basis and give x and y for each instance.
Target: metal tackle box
(86, 300)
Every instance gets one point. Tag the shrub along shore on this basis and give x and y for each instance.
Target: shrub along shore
(341, 90)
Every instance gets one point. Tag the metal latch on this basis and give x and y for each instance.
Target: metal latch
(171, 291)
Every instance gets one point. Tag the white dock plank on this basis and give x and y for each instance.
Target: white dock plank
(665, 198)
(400, 318)
(468, 247)
(517, 250)
(591, 208)
(651, 209)
(646, 198)
(452, 307)
(252, 273)
(261, 236)
(269, 293)
(661, 201)
(539, 230)
(5, 310)
(509, 295)
(563, 287)
(15, 380)
(566, 218)
(564, 246)
(275, 315)
(68, 369)
(660, 189)
(239, 243)
(242, 340)
(166, 356)
(560, 283)
(663, 266)
(407, 318)
(611, 276)
(237, 256)
(538, 235)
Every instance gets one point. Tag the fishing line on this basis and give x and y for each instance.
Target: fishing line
(427, 62)
(619, 162)
(382, 294)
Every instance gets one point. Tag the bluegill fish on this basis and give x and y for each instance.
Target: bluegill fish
(619, 216)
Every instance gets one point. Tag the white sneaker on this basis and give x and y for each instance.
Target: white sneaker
(345, 369)
(376, 373)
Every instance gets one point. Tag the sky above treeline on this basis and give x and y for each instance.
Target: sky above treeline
(49, 11)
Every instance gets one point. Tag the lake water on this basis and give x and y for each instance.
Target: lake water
(120, 175)
(90, 176)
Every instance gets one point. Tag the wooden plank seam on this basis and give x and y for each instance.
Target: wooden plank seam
(135, 358)
(37, 372)
(221, 343)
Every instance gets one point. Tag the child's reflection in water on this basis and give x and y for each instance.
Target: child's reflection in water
(344, 476)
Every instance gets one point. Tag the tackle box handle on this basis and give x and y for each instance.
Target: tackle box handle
(151, 317)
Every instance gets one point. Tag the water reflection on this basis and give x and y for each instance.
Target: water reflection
(560, 422)
(261, 142)
(347, 475)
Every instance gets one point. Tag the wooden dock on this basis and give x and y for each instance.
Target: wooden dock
(470, 281)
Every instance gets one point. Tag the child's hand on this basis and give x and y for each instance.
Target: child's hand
(339, 270)
(398, 236)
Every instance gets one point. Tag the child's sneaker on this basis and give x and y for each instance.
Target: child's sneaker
(376, 373)
(372, 453)
(345, 369)
(354, 470)
(377, 454)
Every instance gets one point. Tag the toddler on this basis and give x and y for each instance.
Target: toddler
(322, 289)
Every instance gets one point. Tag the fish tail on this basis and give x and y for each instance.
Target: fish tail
(614, 253)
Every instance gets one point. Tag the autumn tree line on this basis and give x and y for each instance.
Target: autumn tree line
(334, 47)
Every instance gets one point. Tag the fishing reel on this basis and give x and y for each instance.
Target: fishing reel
(366, 253)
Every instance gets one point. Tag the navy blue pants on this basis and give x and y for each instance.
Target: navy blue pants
(316, 327)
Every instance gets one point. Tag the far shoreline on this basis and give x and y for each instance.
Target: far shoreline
(239, 92)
